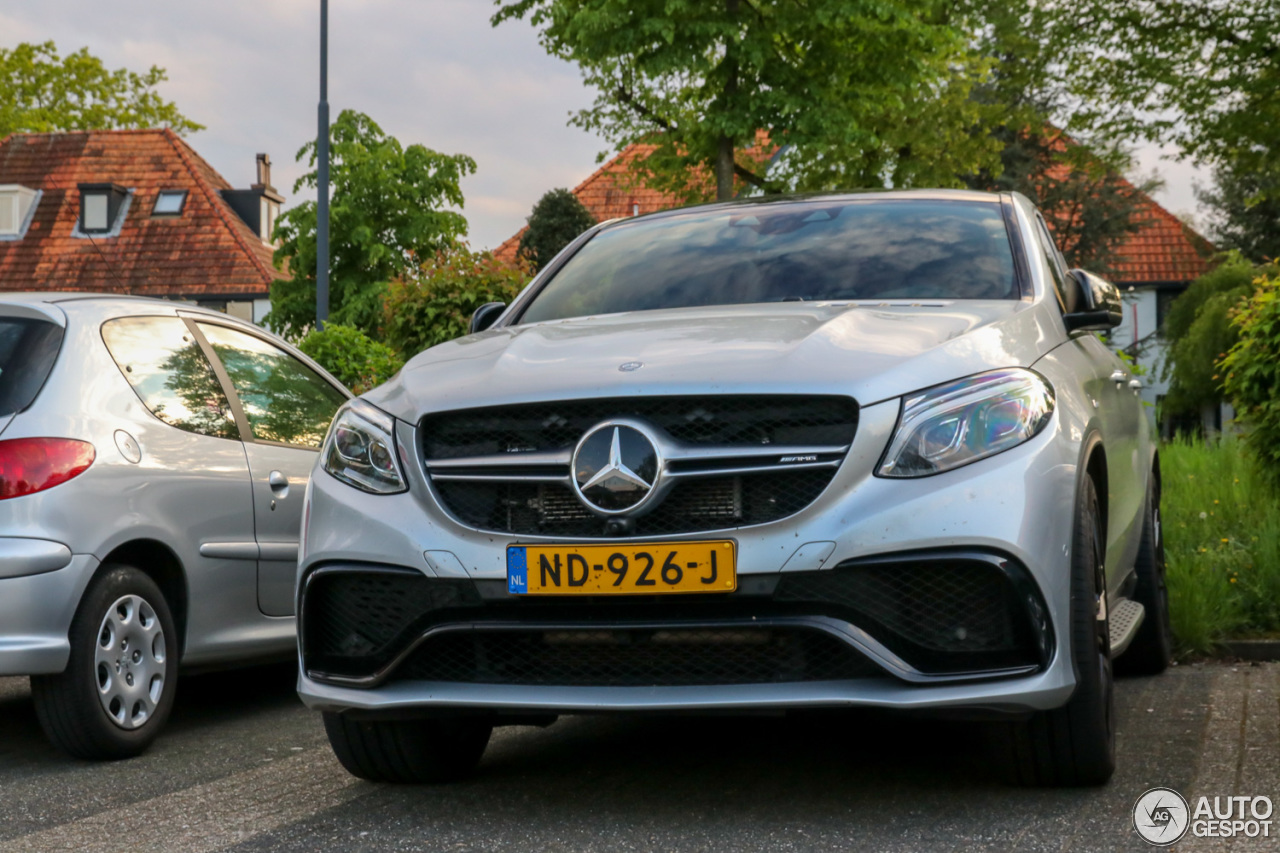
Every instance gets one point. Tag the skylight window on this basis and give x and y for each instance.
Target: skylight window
(169, 203)
(102, 210)
(95, 213)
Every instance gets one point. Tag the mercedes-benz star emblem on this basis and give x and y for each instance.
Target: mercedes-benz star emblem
(615, 468)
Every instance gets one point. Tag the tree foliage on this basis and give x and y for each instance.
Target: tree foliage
(355, 359)
(1245, 207)
(1082, 192)
(433, 303)
(41, 92)
(1253, 373)
(857, 92)
(1076, 177)
(557, 219)
(1199, 333)
(1204, 74)
(390, 208)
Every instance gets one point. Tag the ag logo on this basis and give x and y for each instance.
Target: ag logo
(1161, 816)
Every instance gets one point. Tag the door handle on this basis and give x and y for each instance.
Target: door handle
(279, 484)
(1119, 376)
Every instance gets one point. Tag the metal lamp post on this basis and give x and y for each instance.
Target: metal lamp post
(322, 189)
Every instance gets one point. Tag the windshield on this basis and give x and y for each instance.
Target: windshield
(774, 252)
(28, 349)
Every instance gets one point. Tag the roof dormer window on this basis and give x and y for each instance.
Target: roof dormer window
(17, 205)
(169, 203)
(102, 208)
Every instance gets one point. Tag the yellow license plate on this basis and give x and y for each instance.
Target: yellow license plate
(647, 568)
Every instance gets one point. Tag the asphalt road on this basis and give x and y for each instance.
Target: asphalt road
(243, 766)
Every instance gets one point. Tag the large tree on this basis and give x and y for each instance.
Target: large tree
(1204, 74)
(854, 92)
(41, 91)
(1049, 152)
(390, 209)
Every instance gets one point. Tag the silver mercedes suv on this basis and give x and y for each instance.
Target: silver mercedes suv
(820, 452)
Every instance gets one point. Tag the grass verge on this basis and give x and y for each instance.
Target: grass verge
(1222, 545)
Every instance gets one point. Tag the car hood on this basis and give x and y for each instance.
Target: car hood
(871, 353)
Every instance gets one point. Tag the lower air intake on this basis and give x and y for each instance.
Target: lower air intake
(635, 657)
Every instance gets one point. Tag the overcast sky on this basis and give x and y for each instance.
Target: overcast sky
(428, 71)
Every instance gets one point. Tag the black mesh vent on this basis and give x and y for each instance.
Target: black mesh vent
(710, 503)
(955, 607)
(355, 621)
(635, 658)
(729, 420)
(941, 614)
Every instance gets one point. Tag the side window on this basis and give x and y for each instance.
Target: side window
(168, 371)
(1057, 269)
(283, 399)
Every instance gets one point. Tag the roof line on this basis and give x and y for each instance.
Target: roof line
(181, 148)
(112, 130)
(614, 159)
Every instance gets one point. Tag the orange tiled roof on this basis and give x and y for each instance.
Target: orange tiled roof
(1164, 250)
(207, 251)
(608, 194)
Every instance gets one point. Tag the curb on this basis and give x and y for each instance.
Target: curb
(1251, 650)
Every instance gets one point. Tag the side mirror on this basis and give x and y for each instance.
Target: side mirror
(485, 315)
(1098, 306)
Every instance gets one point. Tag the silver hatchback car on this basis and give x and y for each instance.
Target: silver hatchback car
(846, 450)
(153, 461)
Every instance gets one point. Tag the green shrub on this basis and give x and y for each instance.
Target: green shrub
(1221, 525)
(1252, 374)
(1199, 331)
(434, 303)
(358, 361)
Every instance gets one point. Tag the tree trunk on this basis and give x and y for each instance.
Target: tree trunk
(724, 169)
(724, 150)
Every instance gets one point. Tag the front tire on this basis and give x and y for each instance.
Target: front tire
(117, 690)
(1075, 745)
(433, 750)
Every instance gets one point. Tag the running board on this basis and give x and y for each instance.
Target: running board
(1126, 619)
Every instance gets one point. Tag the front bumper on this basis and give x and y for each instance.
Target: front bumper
(1017, 504)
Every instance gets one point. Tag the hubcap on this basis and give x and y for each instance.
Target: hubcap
(129, 662)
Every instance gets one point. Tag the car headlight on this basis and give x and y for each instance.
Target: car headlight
(961, 422)
(360, 449)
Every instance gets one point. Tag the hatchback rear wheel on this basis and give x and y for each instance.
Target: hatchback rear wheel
(117, 689)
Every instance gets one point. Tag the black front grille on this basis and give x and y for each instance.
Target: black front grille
(710, 503)
(749, 421)
(635, 657)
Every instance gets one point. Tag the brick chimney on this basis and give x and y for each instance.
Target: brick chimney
(259, 205)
